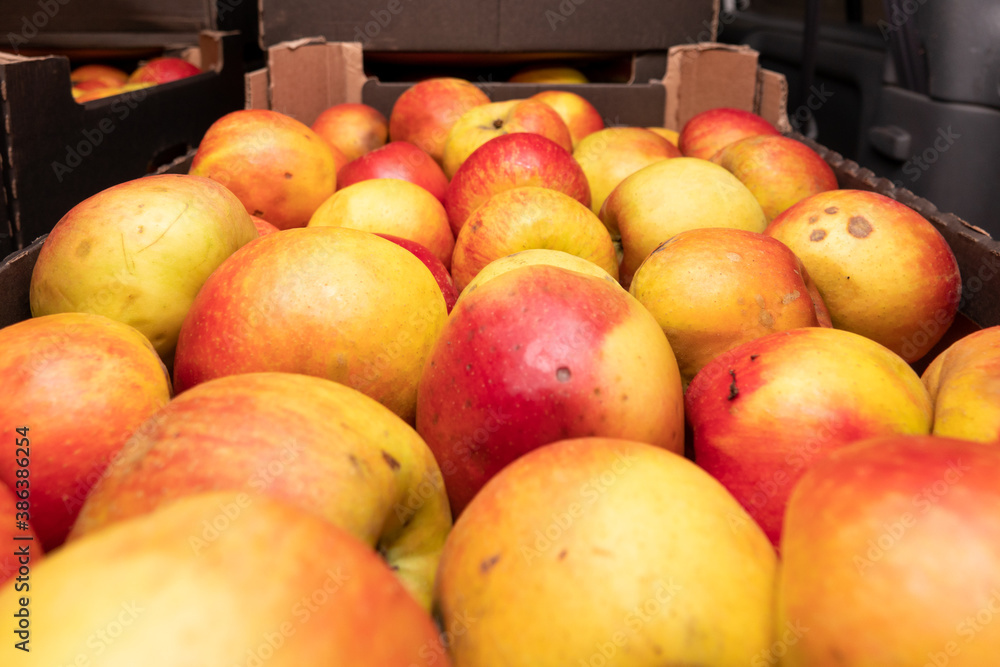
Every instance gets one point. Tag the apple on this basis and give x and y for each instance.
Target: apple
(672, 196)
(891, 556)
(762, 413)
(712, 289)
(163, 70)
(104, 74)
(534, 256)
(883, 270)
(540, 354)
(580, 116)
(279, 168)
(100, 93)
(964, 383)
(75, 386)
(24, 549)
(138, 253)
(510, 161)
(530, 217)
(220, 579)
(779, 171)
(352, 128)
(546, 74)
(95, 84)
(480, 124)
(436, 267)
(397, 159)
(316, 444)
(670, 135)
(424, 113)
(610, 155)
(597, 551)
(263, 226)
(392, 206)
(330, 302)
(707, 132)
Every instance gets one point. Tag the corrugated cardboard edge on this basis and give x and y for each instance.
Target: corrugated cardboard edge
(310, 75)
(978, 254)
(709, 75)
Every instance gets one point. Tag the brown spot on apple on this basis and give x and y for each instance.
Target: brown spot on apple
(390, 460)
(563, 374)
(817, 235)
(83, 249)
(562, 554)
(488, 563)
(813, 218)
(788, 298)
(766, 319)
(831, 210)
(498, 123)
(859, 227)
(258, 213)
(288, 174)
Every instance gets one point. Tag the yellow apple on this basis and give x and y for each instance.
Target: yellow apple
(964, 382)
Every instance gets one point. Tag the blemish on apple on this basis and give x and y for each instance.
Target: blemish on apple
(813, 219)
(488, 563)
(288, 174)
(817, 235)
(859, 227)
(788, 298)
(733, 256)
(563, 374)
(390, 460)
(831, 210)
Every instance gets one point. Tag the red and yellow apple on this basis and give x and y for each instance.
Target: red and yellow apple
(705, 133)
(313, 443)
(105, 75)
(163, 70)
(549, 74)
(891, 556)
(424, 113)
(138, 253)
(330, 302)
(397, 159)
(883, 270)
(435, 265)
(712, 289)
(530, 217)
(610, 155)
(390, 206)
(352, 128)
(263, 226)
(220, 579)
(764, 412)
(672, 196)
(580, 116)
(606, 552)
(100, 92)
(779, 171)
(279, 168)
(480, 124)
(964, 383)
(540, 354)
(673, 136)
(75, 387)
(510, 161)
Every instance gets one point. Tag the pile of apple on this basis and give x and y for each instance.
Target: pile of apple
(93, 82)
(665, 391)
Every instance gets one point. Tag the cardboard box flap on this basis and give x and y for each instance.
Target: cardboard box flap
(309, 76)
(772, 99)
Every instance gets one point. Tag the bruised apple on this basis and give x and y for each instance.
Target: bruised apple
(540, 354)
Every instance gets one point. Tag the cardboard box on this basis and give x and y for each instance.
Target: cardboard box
(57, 152)
(492, 25)
(307, 76)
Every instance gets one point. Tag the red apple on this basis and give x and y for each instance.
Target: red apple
(510, 161)
(424, 113)
(891, 556)
(540, 354)
(311, 442)
(353, 129)
(397, 159)
(103, 74)
(275, 585)
(580, 116)
(263, 226)
(331, 302)
(779, 171)
(75, 387)
(480, 124)
(436, 267)
(710, 131)
(162, 70)
(763, 412)
(22, 548)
